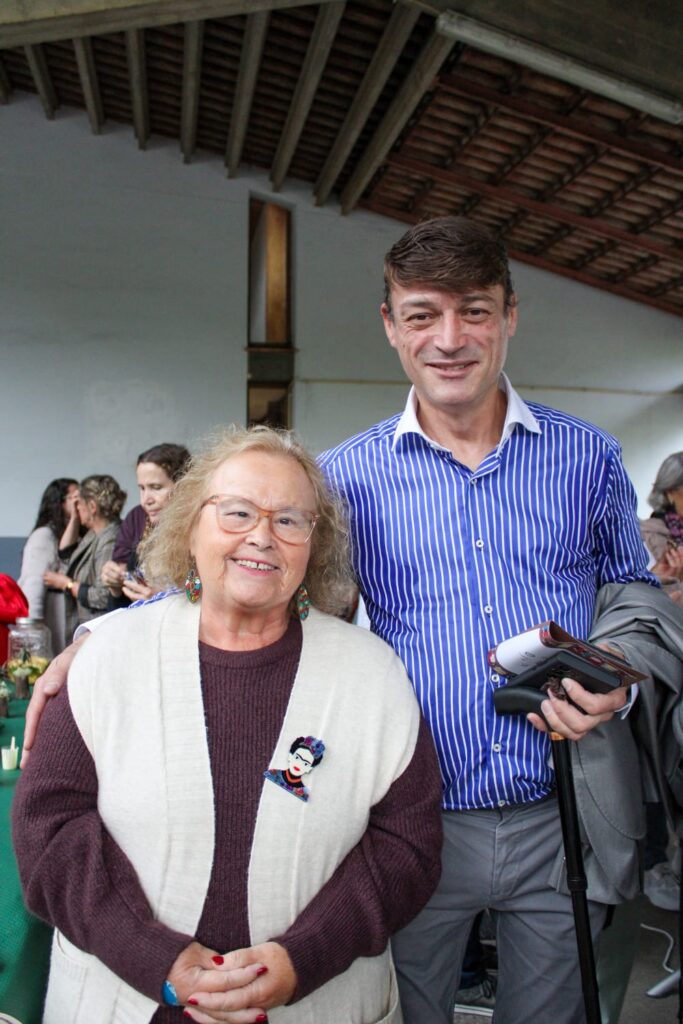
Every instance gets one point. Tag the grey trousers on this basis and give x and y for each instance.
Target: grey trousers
(500, 859)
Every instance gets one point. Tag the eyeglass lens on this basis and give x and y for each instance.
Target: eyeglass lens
(236, 515)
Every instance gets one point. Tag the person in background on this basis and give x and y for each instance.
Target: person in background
(663, 537)
(40, 555)
(663, 531)
(158, 469)
(97, 509)
(234, 802)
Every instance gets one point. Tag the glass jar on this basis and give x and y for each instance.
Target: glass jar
(29, 652)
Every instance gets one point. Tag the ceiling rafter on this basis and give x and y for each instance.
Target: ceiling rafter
(582, 129)
(18, 29)
(553, 212)
(89, 83)
(326, 25)
(644, 263)
(193, 39)
(668, 286)
(139, 94)
(394, 38)
(415, 85)
(250, 62)
(35, 56)
(596, 253)
(556, 236)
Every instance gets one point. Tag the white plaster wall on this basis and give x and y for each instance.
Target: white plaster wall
(123, 284)
(123, 281)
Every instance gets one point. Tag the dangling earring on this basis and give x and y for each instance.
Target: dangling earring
(193, 584)
(303, 603)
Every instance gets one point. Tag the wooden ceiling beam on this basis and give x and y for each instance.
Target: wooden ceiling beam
(41, 79)
(544, 264)
(18, 29)
(644, 263)
(416, 84)
(318, 51)
(87, 73)
(137, 74)
(667, 286)
(594, 254)
(458, 83)
(547, 210)
(5, 85)
(250, 62)
(192, 73)
(394, 38)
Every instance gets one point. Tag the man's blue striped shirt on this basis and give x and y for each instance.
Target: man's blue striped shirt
(451, 561)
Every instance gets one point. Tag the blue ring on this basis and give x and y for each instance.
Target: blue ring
(169, 994)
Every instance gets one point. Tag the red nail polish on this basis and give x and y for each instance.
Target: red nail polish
(261, 1019)
(218, 960)
(192, 1002)
(261, 970)
(186, 1013)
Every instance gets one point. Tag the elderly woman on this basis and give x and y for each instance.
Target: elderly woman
(97, 508)
(663, 531)
(236, 801)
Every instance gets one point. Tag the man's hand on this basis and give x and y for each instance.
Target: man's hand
(46, 686)
(567, 720)
(273, 986)
(200, 972)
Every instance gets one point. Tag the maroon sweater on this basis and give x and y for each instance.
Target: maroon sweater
(76, 877)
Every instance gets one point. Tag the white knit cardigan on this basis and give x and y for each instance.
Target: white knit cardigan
(135, 694)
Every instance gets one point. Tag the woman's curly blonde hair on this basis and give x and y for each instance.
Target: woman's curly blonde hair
(166, 555)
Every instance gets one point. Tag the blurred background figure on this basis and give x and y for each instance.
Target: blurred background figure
(663, 531)
(97, 508)
(157, 471)
(40, 555)
(662, 534)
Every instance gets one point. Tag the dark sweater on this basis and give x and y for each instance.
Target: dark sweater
(78, 879)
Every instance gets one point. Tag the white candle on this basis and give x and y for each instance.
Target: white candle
(10, 756)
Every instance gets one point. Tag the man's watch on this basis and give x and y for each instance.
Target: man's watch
(69, 585)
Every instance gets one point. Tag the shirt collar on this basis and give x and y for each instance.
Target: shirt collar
(518, 412)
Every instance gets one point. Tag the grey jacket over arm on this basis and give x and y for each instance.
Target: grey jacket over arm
(624, 761)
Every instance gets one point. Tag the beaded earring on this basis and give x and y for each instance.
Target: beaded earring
(193, 584)
(303, 603)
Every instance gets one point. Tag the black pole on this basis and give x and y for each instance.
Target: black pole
(576, 876)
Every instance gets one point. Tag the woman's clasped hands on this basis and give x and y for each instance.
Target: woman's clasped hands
(237, 988)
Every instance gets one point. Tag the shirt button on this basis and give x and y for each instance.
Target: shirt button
(502, 803)
(495, 678)
(479, 543)
(496, 748)
(488, 608)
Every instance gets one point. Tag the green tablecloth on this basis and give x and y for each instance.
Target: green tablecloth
(24, 941)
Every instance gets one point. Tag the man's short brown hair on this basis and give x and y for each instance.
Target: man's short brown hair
(453, 254)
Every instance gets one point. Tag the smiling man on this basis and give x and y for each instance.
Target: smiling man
(475, 516)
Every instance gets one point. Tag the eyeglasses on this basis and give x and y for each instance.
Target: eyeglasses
(237, 515)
